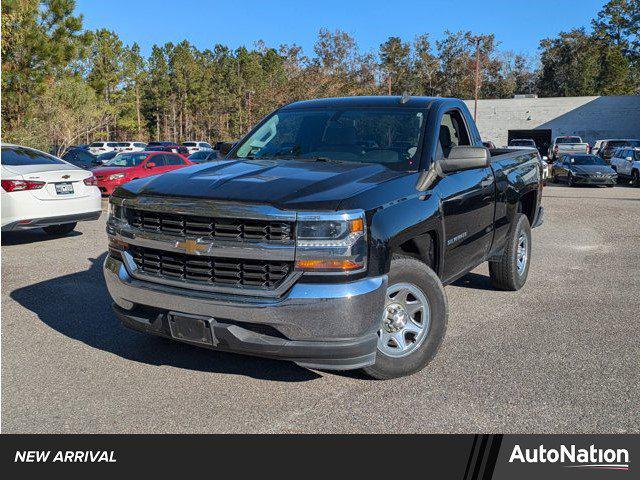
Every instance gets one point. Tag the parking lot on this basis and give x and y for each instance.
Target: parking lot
(561, 355)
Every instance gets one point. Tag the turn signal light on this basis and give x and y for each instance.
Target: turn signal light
(328, 265)
(19, 185)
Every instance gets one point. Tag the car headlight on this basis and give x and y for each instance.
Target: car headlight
(116, 176)
(333, 242)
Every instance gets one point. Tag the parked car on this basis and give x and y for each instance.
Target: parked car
(203, 156)
(167, 147)
(130, 166)
(104, 157)
(606, 148)
(314, 248)
(583, 169)
(96, 148)
(196, 146)
(626, 163)
(130, 146)
(43, 191)
(81, 158)
(523, 142)
(567, 144)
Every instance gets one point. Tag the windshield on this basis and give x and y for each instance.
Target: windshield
(107, 156)
(16, 156)
(522, 143)
(568, 140)
(189, 144)
(585, 160)
(623, 143)
(385, 136)
(126, 160)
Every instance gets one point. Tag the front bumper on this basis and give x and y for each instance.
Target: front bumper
(328, 326)
(594, 180)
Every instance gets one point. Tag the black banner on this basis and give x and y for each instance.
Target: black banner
(459, 457)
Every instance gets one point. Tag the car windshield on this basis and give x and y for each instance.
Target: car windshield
(623, 143)
(107, 156)
(384, 136)
(189, 144)
(585, 160)
(97, 144)
(522, 143)
(200, 155)
(126, 160)
(17, 156)
(568, 140)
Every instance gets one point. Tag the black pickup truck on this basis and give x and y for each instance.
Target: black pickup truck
(326, 235)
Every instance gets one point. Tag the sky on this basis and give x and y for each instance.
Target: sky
(518, 25)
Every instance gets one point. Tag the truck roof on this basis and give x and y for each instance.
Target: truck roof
(371, 102)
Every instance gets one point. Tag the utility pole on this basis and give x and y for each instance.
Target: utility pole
(477, 79)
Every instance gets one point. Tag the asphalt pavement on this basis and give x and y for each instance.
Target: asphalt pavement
(561, 355)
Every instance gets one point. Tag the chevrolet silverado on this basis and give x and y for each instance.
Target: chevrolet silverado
(326, 235)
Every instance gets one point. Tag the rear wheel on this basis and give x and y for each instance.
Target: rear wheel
(511, 270)
(413, 322)
(62, 229)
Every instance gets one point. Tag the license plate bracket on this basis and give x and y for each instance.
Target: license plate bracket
(192, 328)
(64, 188)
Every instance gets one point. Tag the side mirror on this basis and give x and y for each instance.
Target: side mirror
(465, 158)
(151, 165)
(629, 159)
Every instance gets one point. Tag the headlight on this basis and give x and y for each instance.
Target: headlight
(116, 176)
(331, 242)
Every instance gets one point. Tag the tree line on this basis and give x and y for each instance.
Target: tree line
(63, 85)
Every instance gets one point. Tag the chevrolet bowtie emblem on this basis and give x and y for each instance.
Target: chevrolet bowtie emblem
(192, 247)
(66, 176)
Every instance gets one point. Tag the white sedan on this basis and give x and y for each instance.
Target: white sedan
(43, 191)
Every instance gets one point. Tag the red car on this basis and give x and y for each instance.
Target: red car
(129, 166)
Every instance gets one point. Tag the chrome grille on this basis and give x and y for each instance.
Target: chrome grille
(209, 270)
(221, 228)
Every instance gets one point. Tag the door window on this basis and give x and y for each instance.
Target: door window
(173, 160)
(453, 132)
(158, 160)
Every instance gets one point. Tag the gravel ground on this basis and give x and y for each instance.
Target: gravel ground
(561, 355)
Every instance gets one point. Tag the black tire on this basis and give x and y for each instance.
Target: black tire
(413, 271)
(635, 178)
(504, 272)
(570, 181)
(62, 229)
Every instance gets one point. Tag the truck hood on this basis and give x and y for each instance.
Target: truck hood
(286, 184)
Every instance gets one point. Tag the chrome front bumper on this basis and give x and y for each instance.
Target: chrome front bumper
(330, 326)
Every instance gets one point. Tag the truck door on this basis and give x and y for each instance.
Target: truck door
(468, 202)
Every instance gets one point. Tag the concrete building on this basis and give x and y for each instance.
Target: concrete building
(542, 119)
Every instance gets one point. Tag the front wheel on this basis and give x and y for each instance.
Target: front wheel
(635, 178)
(62, 229)
(511, 270)
(413, 322)
(570, 181)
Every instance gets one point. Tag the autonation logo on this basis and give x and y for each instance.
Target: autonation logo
(573, 457)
